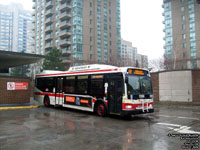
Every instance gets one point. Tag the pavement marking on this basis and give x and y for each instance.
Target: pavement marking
(168, 124)
(19, 107)
(178, 117)
(179, 129)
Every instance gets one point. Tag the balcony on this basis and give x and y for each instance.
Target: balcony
(48, 45)
(66, 60)
(64, 24)
(49, 4)
(65, 15)
(65, 6)
(33, 6)
(163, 22)
(163, 14)
(65, 33)
(66, 51)
(163, 30)
(48, 37)
(49, 12)
(33, 21)
(49, 20)
(65, 42)
(48, 28)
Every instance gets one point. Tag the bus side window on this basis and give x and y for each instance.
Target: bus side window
(69, 85)
(97, 86)
(82, 85)
(50, 84)
(40, 84)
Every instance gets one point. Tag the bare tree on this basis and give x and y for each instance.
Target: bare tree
(157, 64)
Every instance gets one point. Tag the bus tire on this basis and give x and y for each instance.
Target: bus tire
(101, 109)
(46, 101)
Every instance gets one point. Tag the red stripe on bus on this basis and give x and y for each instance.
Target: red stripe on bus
(77, 72)
(49, 94)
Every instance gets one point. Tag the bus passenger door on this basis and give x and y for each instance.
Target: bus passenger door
(59, 93)
(115, 92)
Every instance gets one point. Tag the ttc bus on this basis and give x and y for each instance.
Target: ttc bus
(102, 89)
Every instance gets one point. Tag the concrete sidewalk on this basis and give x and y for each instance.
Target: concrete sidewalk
(33, 104)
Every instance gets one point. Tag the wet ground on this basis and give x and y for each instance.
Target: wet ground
(58, 128)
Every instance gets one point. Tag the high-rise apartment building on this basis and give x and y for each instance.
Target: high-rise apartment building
(130, 57)
(15, 28)
(182, 33)
(87, 31)
(128, 54)
(142, 61)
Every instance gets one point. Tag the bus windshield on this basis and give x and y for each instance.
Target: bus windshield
(139, 85)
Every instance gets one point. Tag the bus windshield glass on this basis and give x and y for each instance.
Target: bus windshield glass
(139, 85)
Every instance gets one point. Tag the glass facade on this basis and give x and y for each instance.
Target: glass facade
(15, 30)
(192, 35)
(168, 29)
(118, 24)
(105, 32)
(77, 50)
(6, 30)
(99, 31)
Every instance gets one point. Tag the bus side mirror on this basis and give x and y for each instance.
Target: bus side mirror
(126, 79)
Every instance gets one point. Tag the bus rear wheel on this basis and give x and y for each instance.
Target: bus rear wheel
(101, 110)
(46, 101)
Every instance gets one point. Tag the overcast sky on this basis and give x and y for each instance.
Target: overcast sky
(141, 24)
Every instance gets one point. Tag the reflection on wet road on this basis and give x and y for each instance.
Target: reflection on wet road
(51, 128)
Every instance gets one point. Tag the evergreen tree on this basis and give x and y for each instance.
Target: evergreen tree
(53, 60)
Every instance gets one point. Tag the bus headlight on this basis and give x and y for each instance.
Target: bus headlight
(150, 106)
(128, 106)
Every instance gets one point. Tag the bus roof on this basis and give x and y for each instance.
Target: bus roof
(86, 69)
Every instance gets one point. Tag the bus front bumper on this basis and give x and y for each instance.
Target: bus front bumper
(136, 111)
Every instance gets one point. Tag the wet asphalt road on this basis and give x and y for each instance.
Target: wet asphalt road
(58, 128)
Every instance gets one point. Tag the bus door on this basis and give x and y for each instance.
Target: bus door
(59, 92)
(115, 92)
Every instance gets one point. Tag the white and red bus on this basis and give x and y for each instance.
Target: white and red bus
(103, 89)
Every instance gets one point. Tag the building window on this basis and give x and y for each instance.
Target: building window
(183, 27)
(90, 39)
(182, 18)
(90, 4)
(182, 8)
(91, 56)
(90, 13)
(183, 36)
(90, 30)
(184, 45)
(182, 1)
(90, 21)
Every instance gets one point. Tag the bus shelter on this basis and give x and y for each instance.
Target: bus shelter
(15, 90)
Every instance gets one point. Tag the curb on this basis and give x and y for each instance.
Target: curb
(19, 107)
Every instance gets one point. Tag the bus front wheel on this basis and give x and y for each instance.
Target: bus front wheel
(101, 110)
(46, 101)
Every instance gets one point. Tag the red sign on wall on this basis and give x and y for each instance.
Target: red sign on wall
(17, 85)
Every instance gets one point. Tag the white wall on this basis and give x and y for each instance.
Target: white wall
(175, 86)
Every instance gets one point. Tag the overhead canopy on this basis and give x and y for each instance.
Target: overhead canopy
(12, 59)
